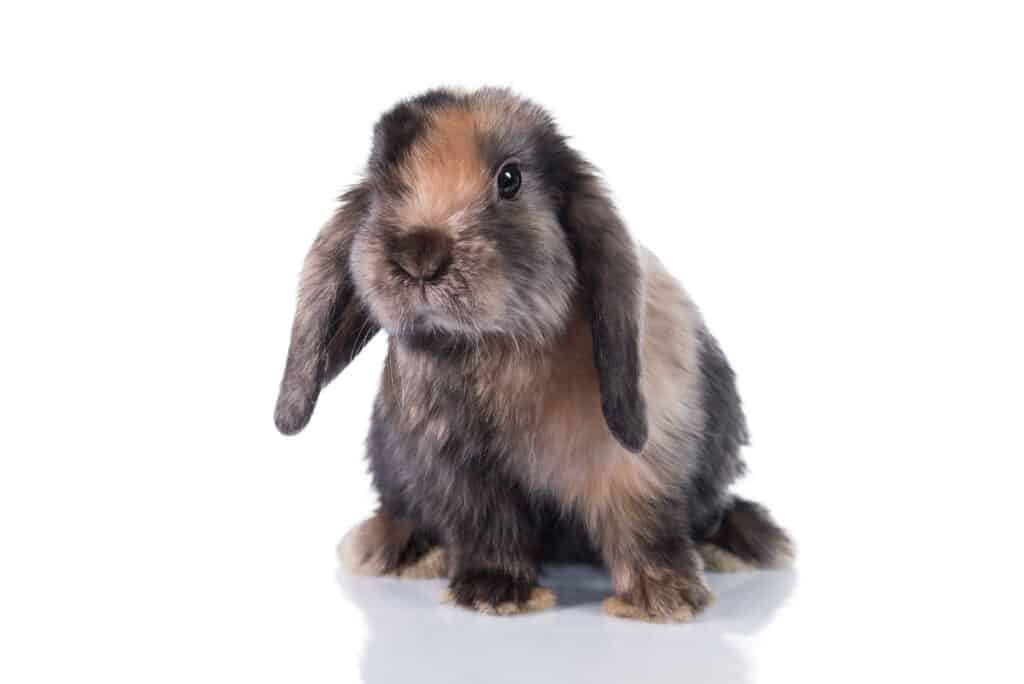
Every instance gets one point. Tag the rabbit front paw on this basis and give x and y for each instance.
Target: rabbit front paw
(493, 592)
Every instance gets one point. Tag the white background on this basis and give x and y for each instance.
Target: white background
(838, 185)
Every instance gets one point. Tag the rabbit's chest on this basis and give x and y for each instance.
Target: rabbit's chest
(539, 423)
(571, 455)
(549, 424)
(540, 417)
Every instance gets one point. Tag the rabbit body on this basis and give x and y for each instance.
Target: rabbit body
(550, 392)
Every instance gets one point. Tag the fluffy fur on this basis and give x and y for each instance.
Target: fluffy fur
(550, 391)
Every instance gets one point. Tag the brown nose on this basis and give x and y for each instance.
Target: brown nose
(423, 255)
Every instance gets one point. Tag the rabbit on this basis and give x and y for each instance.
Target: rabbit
(550, 392)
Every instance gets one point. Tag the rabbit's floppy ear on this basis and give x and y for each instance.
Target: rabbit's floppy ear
(612, 283)
(331, 323)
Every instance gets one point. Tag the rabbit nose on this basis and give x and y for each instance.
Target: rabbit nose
(423, 255)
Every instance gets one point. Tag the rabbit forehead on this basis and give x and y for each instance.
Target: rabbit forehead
(448, 170)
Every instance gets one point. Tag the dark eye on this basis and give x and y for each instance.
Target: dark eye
(509, 180)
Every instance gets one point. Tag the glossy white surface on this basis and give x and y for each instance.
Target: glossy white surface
(412, 638)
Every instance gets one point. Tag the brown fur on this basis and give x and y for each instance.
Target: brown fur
(379, 546)
(576, 456)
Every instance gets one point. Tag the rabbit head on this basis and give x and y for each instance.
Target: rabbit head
(476, 224)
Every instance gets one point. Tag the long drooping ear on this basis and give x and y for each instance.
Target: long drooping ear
(331, 324)
(612, 281)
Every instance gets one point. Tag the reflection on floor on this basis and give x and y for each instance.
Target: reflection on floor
(414, 638)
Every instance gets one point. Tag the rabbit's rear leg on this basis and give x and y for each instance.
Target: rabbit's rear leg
(746, 538)
(717, 559)
(387, 545)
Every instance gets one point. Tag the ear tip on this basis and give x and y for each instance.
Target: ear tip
(626, 420)
(290, 419)
(631, 432)
(633, 439)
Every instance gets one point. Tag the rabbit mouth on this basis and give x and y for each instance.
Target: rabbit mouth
(427, 304)
(420, 289)
(439, 308)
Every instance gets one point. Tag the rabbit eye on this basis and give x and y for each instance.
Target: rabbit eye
(509, 180)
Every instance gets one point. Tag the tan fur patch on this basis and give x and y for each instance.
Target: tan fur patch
(444, 171)
(432, 564)
(617, 607)
(668, 599)
(541, 598)
(355, 554)
(717, 559)
(575, 456)
(365, 548)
